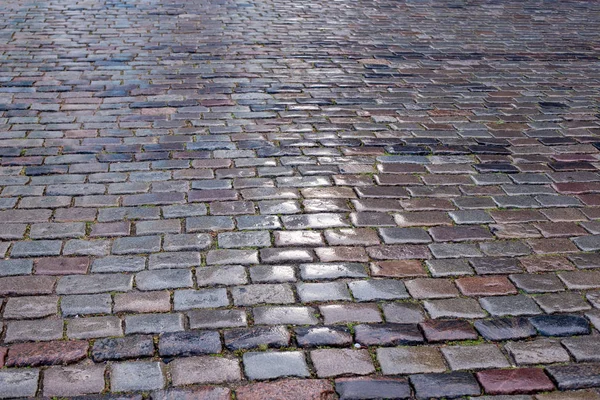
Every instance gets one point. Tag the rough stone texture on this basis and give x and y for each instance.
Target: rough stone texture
(453, 384)
(132, 346)
(288, 389)
(185, 181)
(333, 362)
(271, 365)
(46, 353)
(370, 388)
(410, 360)
(18, 382)
(73, 380)
(192, 370)
(133, 376)
(514, 381)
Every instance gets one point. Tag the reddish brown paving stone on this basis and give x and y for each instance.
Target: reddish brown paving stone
(514, 381)
(485, 286)
(289, 389)
(62, 265)
(398, 269)
(26, 285)
(546, 264)
(197, 393)
(551, 246)
(448, 330)
(3, 351)
(46, 353)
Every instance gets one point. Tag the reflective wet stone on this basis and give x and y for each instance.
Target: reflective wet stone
(505, 328)
(387, 334)
(560, 325)
(453, 384)
(335, 336)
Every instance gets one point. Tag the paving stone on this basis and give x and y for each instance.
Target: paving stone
(90, 284)
(495, 265)
(454, 308)
(136, 376)
(583, 348)
(371, 388)
(15, 267)
(514, 381)
(73, 380)
(505, 328)
(164, 279)
(209, 223)
(202, 392)
(57, 230)
(562, 302)
(448, 330)
(224, 275)
(540, 351)
(34, 330)
(212, 319)
(575, 395)
(142, 302)
(474, 357)
(153, 323)
(581, 279)
(376, 289)
(539, 283)
(288, 389)
(449, 267)
(410, 360)
(338, 313)
(276, 336)
(187, 242)
(18, 382)
(262, 294)
(136, 245)
(94, 327)
(455, 250)
(46, 353)
(311, 292)
(244, 239)
(273, 365)
(334, 336)
(388, 334)
(451, 385)
(560, 325)
(575, 376)
(180, 259)
(30, 307)
(284, 315)
(118, 264)
(26, 285)
(36, 248)
(428, 288)
(404, 235)
(510, 305)
(323, 271)
(221, 257)
(336, 362)
(205, 369)
(398, 269)
(62, 265)
(133, 346)
(272, 273)
(189, 343)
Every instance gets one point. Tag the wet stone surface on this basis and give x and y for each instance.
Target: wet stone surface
(299, 200)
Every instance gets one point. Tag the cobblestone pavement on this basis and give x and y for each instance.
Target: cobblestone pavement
(267, 199)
